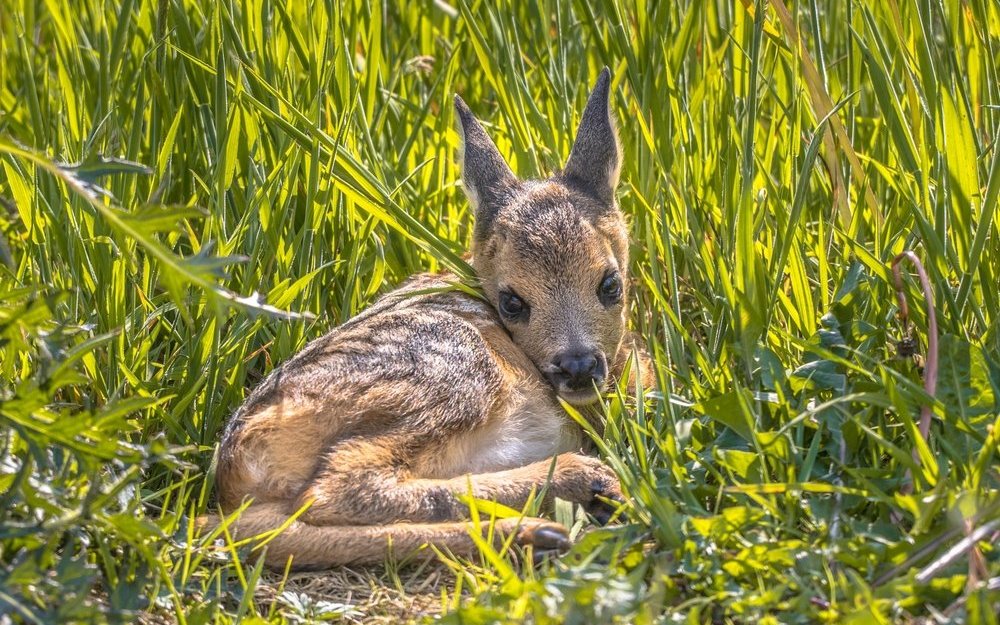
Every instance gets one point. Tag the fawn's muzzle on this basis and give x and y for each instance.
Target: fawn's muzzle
(578, 370)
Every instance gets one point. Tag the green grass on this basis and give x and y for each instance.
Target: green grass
(777, 158)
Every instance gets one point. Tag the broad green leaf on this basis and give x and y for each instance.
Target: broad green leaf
(965, 386)
(732, 410)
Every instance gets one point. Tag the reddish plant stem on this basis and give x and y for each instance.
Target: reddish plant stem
(977, 566)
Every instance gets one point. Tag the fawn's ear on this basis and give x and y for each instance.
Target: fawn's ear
(595, 162)
(489, 183)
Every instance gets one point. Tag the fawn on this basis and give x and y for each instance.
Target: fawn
(379, 427)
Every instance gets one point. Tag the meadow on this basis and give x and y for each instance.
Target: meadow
(190, 190)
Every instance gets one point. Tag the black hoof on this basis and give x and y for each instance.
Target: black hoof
(550, 538)
(603, 507)
(600, 512)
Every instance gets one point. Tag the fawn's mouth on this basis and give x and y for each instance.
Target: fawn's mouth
(579, 397)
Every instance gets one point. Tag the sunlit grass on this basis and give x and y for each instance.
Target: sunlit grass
(175, 173)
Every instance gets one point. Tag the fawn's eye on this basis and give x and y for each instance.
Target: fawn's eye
(610, 289)
(512, 307)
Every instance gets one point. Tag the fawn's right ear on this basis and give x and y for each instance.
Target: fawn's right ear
(489, 183)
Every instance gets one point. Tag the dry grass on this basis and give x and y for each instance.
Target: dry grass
(380, 595)
(377, 595)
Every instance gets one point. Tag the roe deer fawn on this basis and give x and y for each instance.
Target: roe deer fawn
(381, 425)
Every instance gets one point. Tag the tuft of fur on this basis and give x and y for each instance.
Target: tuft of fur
(378, 428)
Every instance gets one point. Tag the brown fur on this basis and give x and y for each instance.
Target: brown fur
(377, 429)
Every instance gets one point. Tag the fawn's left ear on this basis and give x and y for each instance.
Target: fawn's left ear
(595, 162)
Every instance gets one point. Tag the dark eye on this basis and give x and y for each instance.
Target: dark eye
(610, 291)
(513, 307)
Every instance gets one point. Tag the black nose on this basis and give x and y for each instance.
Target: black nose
(579, 369)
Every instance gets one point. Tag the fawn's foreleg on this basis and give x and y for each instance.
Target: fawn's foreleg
(348, 492)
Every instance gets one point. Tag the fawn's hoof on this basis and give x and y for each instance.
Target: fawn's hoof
(545, 538)
(605, 502)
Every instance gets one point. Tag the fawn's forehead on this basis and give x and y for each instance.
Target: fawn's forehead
(547, 228)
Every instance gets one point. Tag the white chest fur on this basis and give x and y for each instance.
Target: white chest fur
(527, 435)
(524, 438)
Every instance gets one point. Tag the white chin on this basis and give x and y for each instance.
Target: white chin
(578, 398)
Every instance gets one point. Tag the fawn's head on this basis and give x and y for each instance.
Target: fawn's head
(552, 255)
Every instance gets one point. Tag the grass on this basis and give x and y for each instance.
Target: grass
(163, 163)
